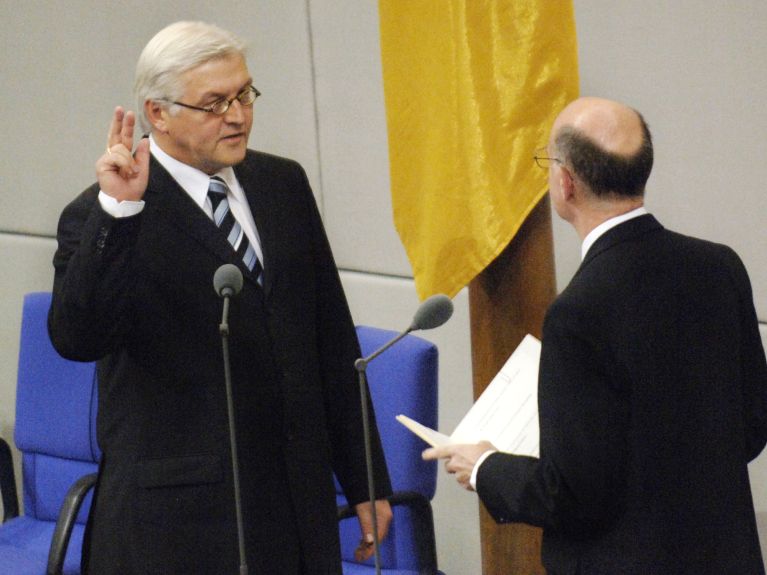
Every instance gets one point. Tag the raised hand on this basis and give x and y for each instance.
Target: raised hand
(121, 173)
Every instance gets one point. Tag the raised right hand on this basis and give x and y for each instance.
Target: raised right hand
(121, 173)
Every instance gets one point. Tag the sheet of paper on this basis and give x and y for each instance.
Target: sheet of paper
(433, 438)
(506, 414)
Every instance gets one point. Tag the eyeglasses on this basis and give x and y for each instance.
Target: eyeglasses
(220, 107)
(544, 161)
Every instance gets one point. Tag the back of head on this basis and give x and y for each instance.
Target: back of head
(606, 173)
(174, 50)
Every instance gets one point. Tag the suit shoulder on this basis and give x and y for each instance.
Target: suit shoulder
(706, 250)
(262, 160)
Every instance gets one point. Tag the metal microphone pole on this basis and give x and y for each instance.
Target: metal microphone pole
(224, 330)
(432, 313)
(361, 366)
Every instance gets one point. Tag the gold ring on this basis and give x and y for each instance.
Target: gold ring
(109, 150)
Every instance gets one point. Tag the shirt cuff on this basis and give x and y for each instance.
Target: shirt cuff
(475, 471)
(116, 209)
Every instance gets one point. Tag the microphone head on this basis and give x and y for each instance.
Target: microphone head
(227, 281)
(433, 312)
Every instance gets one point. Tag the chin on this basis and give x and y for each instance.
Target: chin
(231, 159)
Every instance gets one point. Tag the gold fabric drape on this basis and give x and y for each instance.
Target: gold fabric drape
(472, 88)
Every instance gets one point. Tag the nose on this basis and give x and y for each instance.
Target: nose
(236, 113)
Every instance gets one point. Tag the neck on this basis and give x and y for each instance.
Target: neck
(597, 214)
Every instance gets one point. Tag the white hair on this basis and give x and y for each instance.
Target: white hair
(174, 50)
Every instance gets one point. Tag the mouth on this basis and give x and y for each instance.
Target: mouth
(234, 138)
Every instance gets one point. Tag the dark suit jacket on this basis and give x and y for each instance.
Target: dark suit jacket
(136, 294)
(652, 399)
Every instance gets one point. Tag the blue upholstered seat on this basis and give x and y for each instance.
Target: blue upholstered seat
(55, 432)
(402, 380)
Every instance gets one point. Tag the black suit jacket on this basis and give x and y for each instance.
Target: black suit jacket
(652, 399)
(136, 294)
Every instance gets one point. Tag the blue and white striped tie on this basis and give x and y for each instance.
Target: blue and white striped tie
(224, 219)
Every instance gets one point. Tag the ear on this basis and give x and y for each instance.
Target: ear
(157, 115)
(566, 183)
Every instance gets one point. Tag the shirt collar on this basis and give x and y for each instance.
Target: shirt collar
(598, 231)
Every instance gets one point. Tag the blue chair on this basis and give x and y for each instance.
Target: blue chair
(55, 432)
(402, 380)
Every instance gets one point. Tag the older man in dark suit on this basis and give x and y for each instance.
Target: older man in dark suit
(652, 383)
(133, 290)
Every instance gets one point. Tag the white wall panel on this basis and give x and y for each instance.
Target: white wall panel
(353, 139)
(698, 77)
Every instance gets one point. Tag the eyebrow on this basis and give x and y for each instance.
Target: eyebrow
(216, 96)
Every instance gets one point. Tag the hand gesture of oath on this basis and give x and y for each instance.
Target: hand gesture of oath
(121, 173)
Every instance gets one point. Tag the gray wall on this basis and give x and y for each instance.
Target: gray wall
(696, 74)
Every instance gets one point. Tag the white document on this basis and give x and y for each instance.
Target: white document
(506, 414)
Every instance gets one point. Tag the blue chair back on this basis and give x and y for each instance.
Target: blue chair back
(56, 434)
(402, 380)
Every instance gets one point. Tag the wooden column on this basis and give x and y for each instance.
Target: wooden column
(506, 301)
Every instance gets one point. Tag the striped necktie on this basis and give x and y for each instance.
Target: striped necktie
(224, 220)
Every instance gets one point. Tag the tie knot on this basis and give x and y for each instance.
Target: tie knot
(217, 186)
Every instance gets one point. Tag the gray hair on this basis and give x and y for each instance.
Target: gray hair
(174, 50)
(606, 173)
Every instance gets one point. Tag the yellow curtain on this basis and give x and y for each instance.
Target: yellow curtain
(472, 88)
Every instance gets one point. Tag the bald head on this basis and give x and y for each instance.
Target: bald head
(606, 144)
(612, 126)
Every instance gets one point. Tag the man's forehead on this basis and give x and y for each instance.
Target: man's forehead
(218, 74)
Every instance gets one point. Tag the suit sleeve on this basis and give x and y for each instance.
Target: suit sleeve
(753, 364)
(91, 287)
(338, 350)
(578, 485)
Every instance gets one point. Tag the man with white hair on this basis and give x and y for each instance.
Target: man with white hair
(652, 388)
(133, 290)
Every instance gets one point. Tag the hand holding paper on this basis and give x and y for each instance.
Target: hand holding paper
(460, 459)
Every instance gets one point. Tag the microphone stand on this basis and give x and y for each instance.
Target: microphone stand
(361, 366)
(224, 330)
(432, 313)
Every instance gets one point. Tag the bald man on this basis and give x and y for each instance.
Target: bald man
(652, 383)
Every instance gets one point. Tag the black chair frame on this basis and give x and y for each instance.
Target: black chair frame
(67, 515)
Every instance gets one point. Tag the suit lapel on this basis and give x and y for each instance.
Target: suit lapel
(175, 206)
(256, 186)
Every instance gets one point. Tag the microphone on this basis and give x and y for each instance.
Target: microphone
(227, 281)
(433, 312)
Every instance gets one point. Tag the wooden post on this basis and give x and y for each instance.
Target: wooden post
(506, 301)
